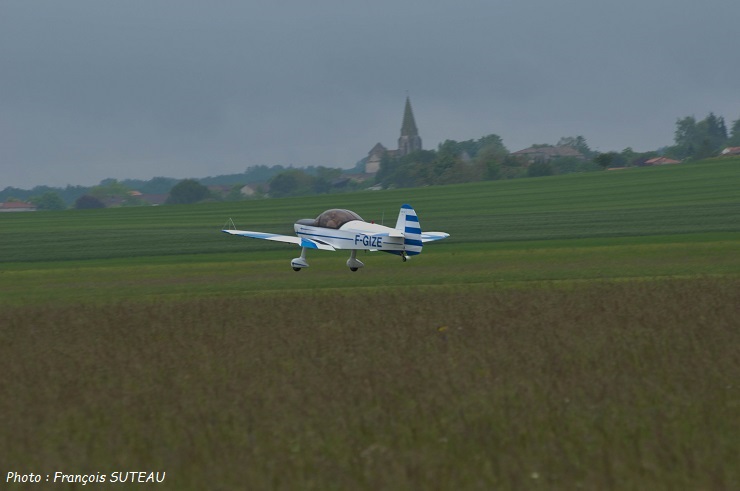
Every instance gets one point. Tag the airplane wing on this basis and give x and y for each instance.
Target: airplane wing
(307, 243)
(430, 236)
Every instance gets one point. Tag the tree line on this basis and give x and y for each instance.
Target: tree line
(452, 162)
(702, 139)
(488, 159)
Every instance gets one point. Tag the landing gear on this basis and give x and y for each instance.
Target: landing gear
(353, 263)
(300, 262)
(404, 258)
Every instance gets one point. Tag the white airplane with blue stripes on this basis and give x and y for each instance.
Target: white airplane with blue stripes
(344, 229)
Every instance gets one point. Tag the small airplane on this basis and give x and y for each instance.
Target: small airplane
(344, 229)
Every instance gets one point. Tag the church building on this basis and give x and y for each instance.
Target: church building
(410, 141)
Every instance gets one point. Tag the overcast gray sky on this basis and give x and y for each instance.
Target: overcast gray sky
(91, 89)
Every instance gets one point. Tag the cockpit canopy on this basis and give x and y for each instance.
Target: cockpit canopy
(333, 218)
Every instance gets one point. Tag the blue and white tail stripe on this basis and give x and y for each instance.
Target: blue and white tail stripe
(408, 223)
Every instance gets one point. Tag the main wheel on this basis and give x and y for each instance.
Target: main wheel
(296, 269)
(353, 269)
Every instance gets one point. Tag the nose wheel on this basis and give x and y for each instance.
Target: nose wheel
(353, 263)
(300, 262)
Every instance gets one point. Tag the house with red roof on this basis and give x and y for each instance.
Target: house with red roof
(730, 151)
(13, 206)
(661, 161)
(546, 153)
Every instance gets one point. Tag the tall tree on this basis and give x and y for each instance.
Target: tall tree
(415, 169)
(109, 188)
(713, 133)
(492, 145)
(49, 201)
(187, 192)
(87, 202)
(605, 159)
(734, 140)
(577, 143)
(292, 182)
(686, 136)
(700, 139)
(540, 168)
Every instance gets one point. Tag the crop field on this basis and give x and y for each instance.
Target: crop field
(574, 332)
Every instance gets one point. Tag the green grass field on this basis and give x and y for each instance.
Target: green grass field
(689, 199)
(574, 332)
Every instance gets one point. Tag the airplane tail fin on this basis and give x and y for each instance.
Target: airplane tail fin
(408, 223)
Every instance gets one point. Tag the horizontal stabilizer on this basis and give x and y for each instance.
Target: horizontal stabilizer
(430, 236)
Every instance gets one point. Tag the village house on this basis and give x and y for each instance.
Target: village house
(248, 190)
(661, 161)
(15, 206)
(730, 151)
(154, 199)
(255, 189)
(547, 153)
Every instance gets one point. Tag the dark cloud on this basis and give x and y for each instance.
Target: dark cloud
(93, 89)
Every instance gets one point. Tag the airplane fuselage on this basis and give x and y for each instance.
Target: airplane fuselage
(355, 235)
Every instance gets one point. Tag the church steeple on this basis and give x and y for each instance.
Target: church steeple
(409, 124)
(409, 140)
